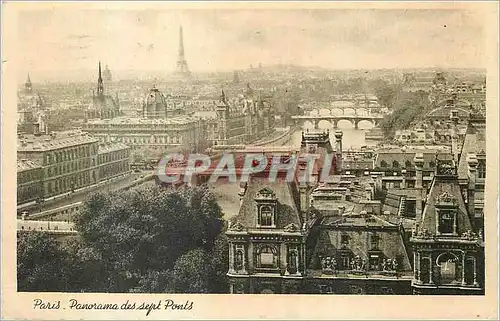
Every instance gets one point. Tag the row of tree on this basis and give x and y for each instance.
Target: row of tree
(148, 239)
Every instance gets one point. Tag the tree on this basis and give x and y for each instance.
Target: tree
(146, 230)
(219, 265)
(41, 264)
(191, 272)
(408, 108)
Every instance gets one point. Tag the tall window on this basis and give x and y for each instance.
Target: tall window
(446, 222)
(374, 241)
(481, 170)
(344, 239)
(266, 216)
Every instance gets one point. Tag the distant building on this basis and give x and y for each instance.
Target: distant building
(415, 136)
(50, 165)
(107, 75)
(68, 160)
(236, 77)
(103, 106)
(154, 105)
(29, 180)
(242, 121)
(31, 108)
(113, 160)
(158, 135)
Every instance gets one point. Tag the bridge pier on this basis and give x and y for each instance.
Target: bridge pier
(356, 124)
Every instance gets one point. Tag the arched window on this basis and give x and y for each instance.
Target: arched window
(383, 163)
(448, 264)
(395, 164)
(267, 257)
(408, 164)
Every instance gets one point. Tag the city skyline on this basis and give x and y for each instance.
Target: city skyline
(226, 40)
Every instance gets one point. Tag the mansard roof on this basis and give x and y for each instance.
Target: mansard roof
(445, 190)
(287, 203)
(474, 142)
(391, 243)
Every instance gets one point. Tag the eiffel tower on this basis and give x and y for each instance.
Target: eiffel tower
(182, 65)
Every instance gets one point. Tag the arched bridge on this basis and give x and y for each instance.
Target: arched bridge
(334, 119)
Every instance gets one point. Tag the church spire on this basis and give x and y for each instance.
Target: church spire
(100, 85)
(27, 86)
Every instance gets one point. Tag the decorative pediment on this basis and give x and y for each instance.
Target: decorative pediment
(446, 198)
(266, 194)
(237, 226)
(292, 228)
(446, 168)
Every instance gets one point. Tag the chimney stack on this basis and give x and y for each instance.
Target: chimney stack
(338, 150)
(419, 167)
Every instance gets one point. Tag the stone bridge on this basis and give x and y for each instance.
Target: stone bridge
(334, 119)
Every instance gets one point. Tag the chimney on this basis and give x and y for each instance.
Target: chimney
(472, 162)
(36, 129)
(241, 193)
(305, 201)
(419, 166)
(338, 150)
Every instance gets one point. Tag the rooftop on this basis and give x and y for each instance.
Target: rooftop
(110, 147)
(56, 140)
(27, 164)
(178, 120)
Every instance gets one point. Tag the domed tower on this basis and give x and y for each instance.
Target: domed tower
(154, 105)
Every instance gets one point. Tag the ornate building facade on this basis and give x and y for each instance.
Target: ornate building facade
(447, 244)
(342, 237)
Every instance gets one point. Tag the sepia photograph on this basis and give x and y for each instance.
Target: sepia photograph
(303, 152)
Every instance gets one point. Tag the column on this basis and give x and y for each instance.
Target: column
(475, 273)
(244, 269)
(231, 258)
(418, 267)
(431, 269)
(463, 269)
(415, 270)
(355, 124)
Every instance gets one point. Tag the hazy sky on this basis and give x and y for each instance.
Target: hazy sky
(63, 40)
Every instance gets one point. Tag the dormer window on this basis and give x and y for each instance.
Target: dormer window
(446, 222)
(374, 241)
(266, 203)
(446, 214)
(344, 239)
